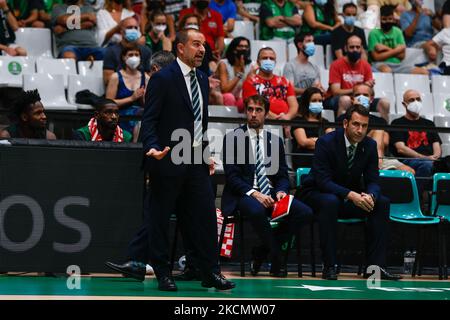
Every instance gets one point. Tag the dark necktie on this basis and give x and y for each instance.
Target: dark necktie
(351, 156)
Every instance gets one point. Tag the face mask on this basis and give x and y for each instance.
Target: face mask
(267, 65)
(310, 49)
(191, 26)
(363, 100)
(315, 107)
(132, 35)
(133, 62)
(415, 107)
(202, 4)
(387, 26)
(160, 28)
(321, 2)
(349, 20)
(245, 53)
(353, 56)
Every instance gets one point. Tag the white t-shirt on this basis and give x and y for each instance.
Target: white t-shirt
(443, 40)
(105, 22)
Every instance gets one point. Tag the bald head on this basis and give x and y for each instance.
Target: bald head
(410, 94)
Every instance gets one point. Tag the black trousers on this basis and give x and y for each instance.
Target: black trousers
(197, 217)
(328, 208)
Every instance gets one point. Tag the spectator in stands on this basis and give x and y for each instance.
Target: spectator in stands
(8, 26)
(441, 41)
(446, 14)
(279, 19)
(210, 25)
(29, 119)
(320, 19)
(156, 33)
(249, 9)
(127, 86)
(108, 21)
(228, 10)
(253, 187)
(345, 72)
(423, 146)
(364, 95)
(74, 43)
(387, 46)
(340, 35)
(278, 90)
(304, 138)
(300, 71)
(418, 29)
(104, 126)
(399, 6)
(233, 70)
(45, 13)
(26, 12)
(151, 6)
(130, 35)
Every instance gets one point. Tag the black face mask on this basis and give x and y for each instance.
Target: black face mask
(353, 56)
(202, 4)
(387, 26)
(245, 53)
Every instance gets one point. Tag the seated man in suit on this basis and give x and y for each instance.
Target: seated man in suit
(256, 177)
(344, 180)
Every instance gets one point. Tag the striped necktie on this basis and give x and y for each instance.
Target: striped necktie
(198, 129)
(261, 177)
(351, 156)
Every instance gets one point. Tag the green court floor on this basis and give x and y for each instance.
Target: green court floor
(248, 288)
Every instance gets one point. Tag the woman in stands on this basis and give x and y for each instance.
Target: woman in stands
(157, 34)
(127, 86)
(151, 6)
(320, 19)
(233, 70)
(8, 25)
(108, 21)
(304, 139)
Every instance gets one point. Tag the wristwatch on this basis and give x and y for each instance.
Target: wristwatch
(6, 11)
(240, 75)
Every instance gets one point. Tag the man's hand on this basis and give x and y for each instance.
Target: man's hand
(212, 166)
(11, 51)
(158, 155)
(433, 157)
(370, 83)
(21, 24)
(3, 5)
(281, 195)
(266, 201)
(361, 201)
(381, 47)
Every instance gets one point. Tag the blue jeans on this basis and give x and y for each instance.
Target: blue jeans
(423, 168)
(84, 53)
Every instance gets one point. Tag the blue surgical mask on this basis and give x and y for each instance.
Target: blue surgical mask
(349, 20)
(321, 2)
(267, 65)
(310, 49)
(363, 100)
(315, 107)
(132, 35)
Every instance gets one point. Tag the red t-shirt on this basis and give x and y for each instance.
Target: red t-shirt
(211, 26)
(276, 90)
(347, 75)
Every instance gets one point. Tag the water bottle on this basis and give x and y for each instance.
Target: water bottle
(407, 262)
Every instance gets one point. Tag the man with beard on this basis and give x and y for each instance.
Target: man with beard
(104, 125)
(31, 119)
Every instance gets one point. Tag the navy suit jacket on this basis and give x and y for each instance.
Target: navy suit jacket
(168, 107)
(239, 165)
(329, 172)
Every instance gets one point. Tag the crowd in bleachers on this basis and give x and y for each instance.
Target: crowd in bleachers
(299, 54)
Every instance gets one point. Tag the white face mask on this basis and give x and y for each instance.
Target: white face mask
(415, 107)
(160, 28)
(133, 62)
(191, 26)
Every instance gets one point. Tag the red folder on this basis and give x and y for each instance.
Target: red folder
(281, 208)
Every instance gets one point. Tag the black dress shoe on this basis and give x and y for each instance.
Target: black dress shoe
(280, 273)
(329, 273)
(132, 269)
(217, 281)
(258, 257)
(166, 283)
(188, 274)
(384, 275)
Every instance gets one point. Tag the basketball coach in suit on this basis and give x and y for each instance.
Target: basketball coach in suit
(177, 100)
(257, 176)
(344, 181)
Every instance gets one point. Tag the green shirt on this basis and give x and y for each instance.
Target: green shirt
(320, 17)
(48, 4)
(391, 39)
(84, 134)
(270, 9)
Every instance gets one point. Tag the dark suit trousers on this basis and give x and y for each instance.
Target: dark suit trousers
(258, 216)
(328, 208)
(198, 218)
